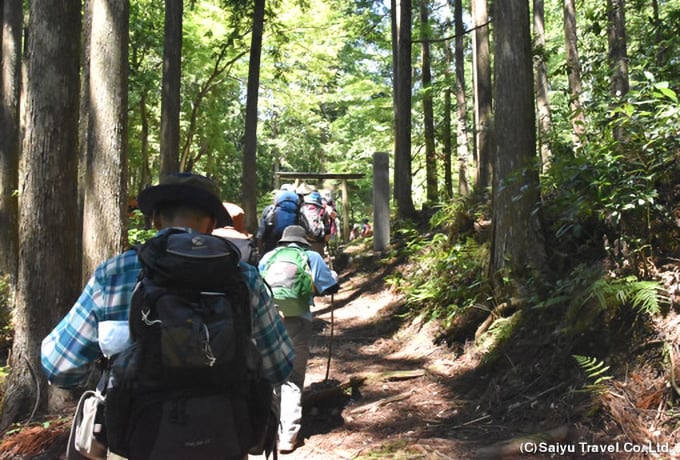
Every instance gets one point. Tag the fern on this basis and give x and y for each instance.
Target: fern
(644, 296)
(589, 293)
(595, 371)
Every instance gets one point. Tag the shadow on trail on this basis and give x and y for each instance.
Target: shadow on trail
(360, 353)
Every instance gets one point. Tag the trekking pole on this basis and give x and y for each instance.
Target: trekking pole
(330, 343)
(330, 339)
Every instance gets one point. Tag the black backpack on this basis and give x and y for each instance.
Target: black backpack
(190, 386)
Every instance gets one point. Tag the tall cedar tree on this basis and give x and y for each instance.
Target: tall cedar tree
(618, 55)
(11, 12)
(481, 65)
(402, 154)
(446, 122)
(105, 194)
(461, 109)
(518, 250)
(573, 71)
(170, 99)
(49, 267)
(541, 74)
(428, 110)
(250, 141)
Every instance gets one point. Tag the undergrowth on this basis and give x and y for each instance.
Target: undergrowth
(447, 273)
(448, 276)
(608, 216)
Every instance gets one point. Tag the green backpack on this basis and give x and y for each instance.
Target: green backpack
(287, 272)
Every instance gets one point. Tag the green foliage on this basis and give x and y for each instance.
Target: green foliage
(595, 370)
(446, 275)
(587, 295)
(137, 231)
(5, 311)
(620, 185)
(4, 372)
(6, 329)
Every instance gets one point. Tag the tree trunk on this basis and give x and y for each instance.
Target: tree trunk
(49, 267)
(662, 51)
(618, 56)
(402, 156)
(394, 29)
(145, 177)
(250, 141)
(517, 250)
(461, 130)
(85, 146)
(446, 125)
(105, 194)
(542, 102)
(481, 64)
(170, 99)
(11, 12)
(428, 110)
(573, 72)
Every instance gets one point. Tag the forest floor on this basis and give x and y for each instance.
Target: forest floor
(391, 392)
(379, 386)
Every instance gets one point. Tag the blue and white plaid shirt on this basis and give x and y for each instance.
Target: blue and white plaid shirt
(73, 344)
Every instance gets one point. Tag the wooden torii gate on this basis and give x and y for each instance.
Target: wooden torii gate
(343, 177)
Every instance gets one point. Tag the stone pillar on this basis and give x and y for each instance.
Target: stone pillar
(345, 210)
(381, 201)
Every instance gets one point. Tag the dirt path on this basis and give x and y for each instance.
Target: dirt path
(392, 393)
(387, 392)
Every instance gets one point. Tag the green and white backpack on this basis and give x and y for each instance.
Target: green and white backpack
(288, 274)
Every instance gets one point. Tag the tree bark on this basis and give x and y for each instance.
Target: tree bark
(517, 249)
(481, 64)
(541, 72)
(573, 72)
(11, 12)
(105, 194)
(49, 267)
(662, 51)
(145, 174)
(85, 146)
(250, 141)
(461, 129)
(618, 55)
(428, 110)
(446, 125)
(402, 156)
(170, 98)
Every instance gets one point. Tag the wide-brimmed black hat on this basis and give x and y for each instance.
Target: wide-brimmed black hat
(192, 189)
(294, 234)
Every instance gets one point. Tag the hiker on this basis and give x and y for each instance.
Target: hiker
(314, 211)
(284, 211)
(100, 322)
(238, 234)
(296, 273)
(366, 229)
(331, 220)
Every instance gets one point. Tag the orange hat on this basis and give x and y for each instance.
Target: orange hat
(237, 215)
